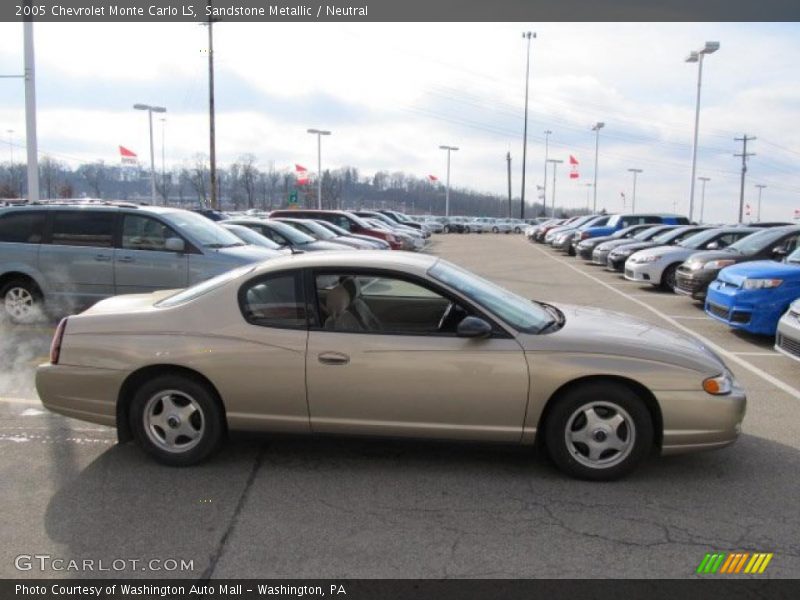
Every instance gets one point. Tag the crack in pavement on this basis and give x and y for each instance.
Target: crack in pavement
(223, 541)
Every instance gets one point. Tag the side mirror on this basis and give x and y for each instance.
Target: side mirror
(473, 327)
(713, 246)
(174, 245)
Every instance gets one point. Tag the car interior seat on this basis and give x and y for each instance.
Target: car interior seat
(341, 319)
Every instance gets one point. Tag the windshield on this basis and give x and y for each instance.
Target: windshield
(203, 231)
(204, 287)
(313, 229)
(755, 242)
(794, 257)
(334, 228)
(251, 237)
(699, 239)
(521, 313)
(627, 232)
(669, 236)
(293, 235)
(648, 233)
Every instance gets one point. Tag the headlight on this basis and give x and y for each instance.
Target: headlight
(718, 264)
(719, 385)
(645, 259)
(761, 284)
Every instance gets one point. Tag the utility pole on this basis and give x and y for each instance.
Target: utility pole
(703, 196)
(31, 142)
(526, 35)
(633, 201)
(508, 161)
(589, 187)
(212, 130)
(555, 162)
(744, 156)
(760, 187)
(596, 128)
(163, 162)
(547, 135)
(447, 187)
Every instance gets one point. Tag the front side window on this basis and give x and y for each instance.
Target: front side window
(84, 228)
(145, 233)
(364, 303)
(274, 300)
(22, 227)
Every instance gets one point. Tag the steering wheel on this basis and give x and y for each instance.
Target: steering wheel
(445, 316)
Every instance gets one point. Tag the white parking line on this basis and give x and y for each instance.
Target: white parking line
(794, 392)
(694, 318)
(755, 353)
(20, 401)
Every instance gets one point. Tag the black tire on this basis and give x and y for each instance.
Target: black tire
(212, 428)
(571, 251)
(466, 229)
(27, 299)
(495, 230)
(608, 400)
(668, 282)
(446, 229)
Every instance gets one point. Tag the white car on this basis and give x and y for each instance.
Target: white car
(658, 265)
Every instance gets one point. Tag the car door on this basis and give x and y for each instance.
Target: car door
(77, 262)
(395, 371)
(142, 262)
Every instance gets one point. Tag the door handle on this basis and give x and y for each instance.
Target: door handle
(102, 257)
(333, 358)
(125, 259)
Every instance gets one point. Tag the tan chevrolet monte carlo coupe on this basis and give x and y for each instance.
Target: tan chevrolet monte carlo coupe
(403, 345)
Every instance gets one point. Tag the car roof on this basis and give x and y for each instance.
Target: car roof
(362, 259)
(102, 206)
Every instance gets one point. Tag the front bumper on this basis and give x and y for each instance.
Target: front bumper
(787, 340)
(754, 311)
(615, 262)
(693, 283)
(699, 421)
(600, 257)
(644, 272)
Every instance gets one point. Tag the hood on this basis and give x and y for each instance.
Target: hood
(759, 269)
(633, 247)
(322, 245)
(611, 244)
(242, 255)
(670, 252)
(589, 330)
(595, 241)
(709, 255)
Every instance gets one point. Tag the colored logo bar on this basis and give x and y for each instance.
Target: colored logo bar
(733, 563)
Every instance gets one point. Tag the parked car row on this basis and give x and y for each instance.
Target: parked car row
(747, 276)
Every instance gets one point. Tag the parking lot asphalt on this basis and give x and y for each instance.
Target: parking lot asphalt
(333, 507)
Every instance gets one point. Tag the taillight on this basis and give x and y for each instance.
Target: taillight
(55, 346)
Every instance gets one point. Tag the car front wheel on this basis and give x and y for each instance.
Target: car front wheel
(599, 431)
(177, 420)
(668, 281)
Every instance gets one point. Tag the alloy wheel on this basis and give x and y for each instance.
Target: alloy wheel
(174, 421)
(600, 435)
(19, 304)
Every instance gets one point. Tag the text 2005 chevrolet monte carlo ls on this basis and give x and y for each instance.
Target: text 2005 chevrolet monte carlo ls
(404, 345)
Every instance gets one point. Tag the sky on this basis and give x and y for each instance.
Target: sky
(393, 93)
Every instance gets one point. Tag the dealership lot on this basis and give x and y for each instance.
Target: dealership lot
(293, 507)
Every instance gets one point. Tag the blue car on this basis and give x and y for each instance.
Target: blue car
(753, 295)
(621, 221)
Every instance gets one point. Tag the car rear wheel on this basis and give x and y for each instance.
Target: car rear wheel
(599, 431)
(668, 281)
(22, 301)
(495, 230)
(446, 229)
(177, 420)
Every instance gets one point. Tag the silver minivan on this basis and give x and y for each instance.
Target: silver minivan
(66, 256)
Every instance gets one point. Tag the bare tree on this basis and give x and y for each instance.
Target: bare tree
(199, 178)
(95, 175)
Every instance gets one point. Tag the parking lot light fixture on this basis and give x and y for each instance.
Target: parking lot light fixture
(555, 162)
(633, 201)
(760, 187)
(696, 56)
(596, 128)
(447, 186)
(319, 133)
(150, 110)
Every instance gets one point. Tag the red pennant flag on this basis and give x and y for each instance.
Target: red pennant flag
(302, 174)
(433, 178)
(127, 157)
(573, 173)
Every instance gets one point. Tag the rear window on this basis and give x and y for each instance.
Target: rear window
(204, 287)
(84, 228)
(22, 227)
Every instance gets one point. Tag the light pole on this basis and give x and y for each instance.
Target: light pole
(10, 132)
(527, 35)
(633, 202)
(596, 128)
(555, 162)
(703, 195)
(697, 57)
(447, 187)
(547, 134)
(163, 162)
(319, 133)
(760, 187)
(150, 110)
(589, 187)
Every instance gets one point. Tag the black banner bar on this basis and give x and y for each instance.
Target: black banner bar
(67, 11)
(711, 588)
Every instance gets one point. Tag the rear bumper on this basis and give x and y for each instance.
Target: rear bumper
(699, 421)
(85, 393)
